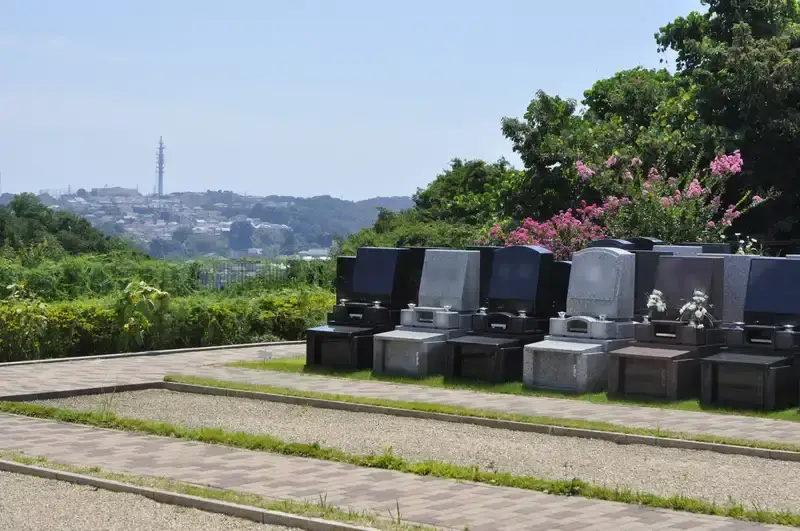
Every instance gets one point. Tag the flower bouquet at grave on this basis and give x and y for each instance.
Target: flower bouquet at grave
(697, 310)
(656, 306)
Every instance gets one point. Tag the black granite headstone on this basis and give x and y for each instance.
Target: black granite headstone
(773, 292)
(388, 276)
(645, 283)
(521, 280)
(487, 256)
(617, 244)
(344, 277)
(677, 277)
(645, 243)
(559, 285)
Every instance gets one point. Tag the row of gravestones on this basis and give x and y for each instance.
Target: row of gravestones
(514, 313)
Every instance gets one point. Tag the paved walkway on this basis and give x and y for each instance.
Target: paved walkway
(741, 427)
(424, 500)
(78, 374)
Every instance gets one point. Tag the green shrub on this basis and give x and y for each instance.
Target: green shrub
(92, 327)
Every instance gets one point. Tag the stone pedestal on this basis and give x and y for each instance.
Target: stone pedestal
(574, 358)
(748, 380)
(666, 372)
(410, 352)
(486, 358)
(664, 361)
(576, 367)
(340, 347)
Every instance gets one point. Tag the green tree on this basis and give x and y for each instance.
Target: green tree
(742, 60)
(472, 191)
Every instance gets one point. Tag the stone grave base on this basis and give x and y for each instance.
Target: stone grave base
(662, 372)
(409, 353)
(486, 358)
(340, 347)
(566, 365)
(590, 328)
(750, 380)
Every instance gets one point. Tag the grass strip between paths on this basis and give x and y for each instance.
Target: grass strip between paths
(321, 509)
(297, 365)
(447, 409)
(389, 461)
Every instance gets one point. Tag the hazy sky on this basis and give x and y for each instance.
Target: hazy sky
(352, 98)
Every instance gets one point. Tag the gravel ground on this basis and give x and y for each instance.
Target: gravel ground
(34, 504)
(711, 476)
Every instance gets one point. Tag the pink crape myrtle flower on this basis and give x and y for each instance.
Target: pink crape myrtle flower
(653, 174)
(695, 190)
(636, 162)
(611, 162)
(757, 199)
(584, 171)
(725, 164)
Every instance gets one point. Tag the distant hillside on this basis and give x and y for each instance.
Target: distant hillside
(390, 203)
(317, 220)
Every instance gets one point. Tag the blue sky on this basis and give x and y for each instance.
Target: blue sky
(351, 98)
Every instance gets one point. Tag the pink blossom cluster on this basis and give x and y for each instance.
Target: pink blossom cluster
(563, 234)
(729, 215)
(611, 162)
(584, 171)
(727, 164)
(653, 175)
(695, 190)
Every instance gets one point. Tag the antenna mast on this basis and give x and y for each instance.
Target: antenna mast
(160, 167)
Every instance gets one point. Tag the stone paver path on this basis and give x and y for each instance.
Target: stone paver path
(78, 374)
(421, 499)
(753, 428)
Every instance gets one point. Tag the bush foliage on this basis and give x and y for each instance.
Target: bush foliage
(142, 318)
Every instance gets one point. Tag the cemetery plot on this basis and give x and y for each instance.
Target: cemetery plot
(525, 290)
(448, 296)
(599, 318)
(712, 477)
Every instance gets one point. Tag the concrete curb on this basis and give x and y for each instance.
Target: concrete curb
(619, 438)
(254, 514)
(106, 389)
(149, 353)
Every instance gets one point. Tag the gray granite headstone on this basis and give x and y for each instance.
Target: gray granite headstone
(601, 283)
(679, 250)
(450, 278)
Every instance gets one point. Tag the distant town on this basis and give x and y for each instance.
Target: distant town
(220, 223)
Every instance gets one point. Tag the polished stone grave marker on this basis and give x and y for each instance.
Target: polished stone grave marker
(448, 297)
(598, 318)
(664, 361)
(759, 370)
(383, 281)
(522, 298)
